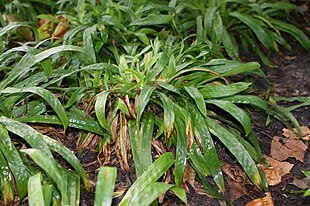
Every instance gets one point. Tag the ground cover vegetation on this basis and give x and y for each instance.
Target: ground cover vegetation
(134, 74)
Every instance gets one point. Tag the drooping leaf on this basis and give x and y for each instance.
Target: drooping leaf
(20, 172)
(150, 176)
(237, 149)
(47, 96)
(100, 108)
(143, 100)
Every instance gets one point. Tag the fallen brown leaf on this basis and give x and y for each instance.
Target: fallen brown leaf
(302, 183)
(283, 168)
(265, 201)
(272, 176)
(235, 181)
(292, 134)
(282, 148)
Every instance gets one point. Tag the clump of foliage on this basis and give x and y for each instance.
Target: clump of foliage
(132, 73)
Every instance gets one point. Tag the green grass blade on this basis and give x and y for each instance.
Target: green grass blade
(105, 186)
(150, 193)
(143, 100)
(248, 99)
(256, 26)
(47, 96)
(151, 175)
(100, 108)
(35, 192)
(152, 19)
(169, 116)
(51, 168)
(6, 186)
(217, 91)
(27, 62)
(20, 172)
(180, 193)
(181, 147)
(237, 149)
(74, 122)
(234, 111)
(141, 142)
(198, 97)
(32, 137)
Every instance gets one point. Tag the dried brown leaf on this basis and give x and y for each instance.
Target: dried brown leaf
(292, 134)
(235, 181)
(265, 201)
(302, 183)
(283, 168)
(272, 175)
(282, 148)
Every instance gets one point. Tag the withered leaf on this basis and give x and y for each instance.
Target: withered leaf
(282, 148)
(302, 183)
(292, 134)
(235, 181)
(265, 201)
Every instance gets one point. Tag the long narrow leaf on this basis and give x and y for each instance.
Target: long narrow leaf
(47, 96)
(151, 175)
(35, 192)
(105, 186)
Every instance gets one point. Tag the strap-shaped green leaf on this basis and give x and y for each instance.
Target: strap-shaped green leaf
(52, 169)
(20, 172)
(29, 61)
(28, 133)
(256, 26)
(6, 186)
(100, 108)
(234, 111)
(150, 176)
(237, 149)
(35, 192)
(217, 91)
(198, 98)
(143, 100)
(47, 96)
(105, 186)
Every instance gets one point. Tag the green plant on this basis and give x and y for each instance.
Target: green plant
(119, 74)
